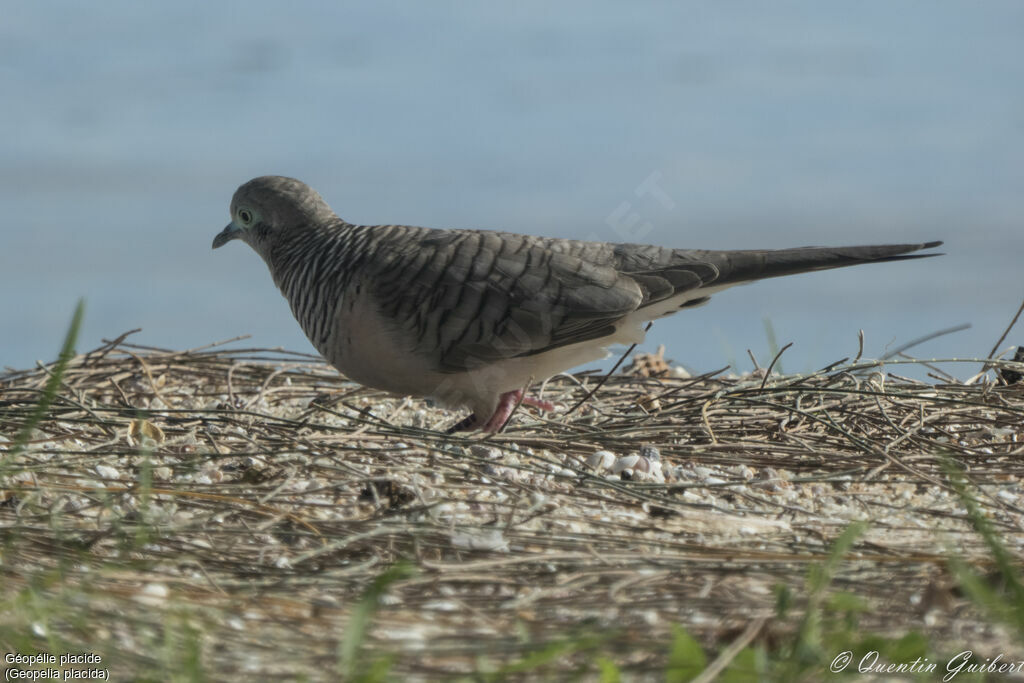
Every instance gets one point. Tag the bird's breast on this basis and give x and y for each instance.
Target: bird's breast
(367, 348)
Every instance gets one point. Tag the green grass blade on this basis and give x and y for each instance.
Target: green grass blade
(67, 352)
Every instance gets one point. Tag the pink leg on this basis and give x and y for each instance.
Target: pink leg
(506, 404)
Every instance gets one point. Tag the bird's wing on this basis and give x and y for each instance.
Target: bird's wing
(470, 298)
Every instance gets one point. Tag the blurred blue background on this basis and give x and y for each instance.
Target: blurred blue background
(127, 126)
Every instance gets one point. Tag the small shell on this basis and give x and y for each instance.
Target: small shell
(485, 452)
(684, 472)
(601, 460)
(650, 452)
(107, 472)
(742, 471)
(489, 540)
(153, 594)
(626, 462)
(142, 430)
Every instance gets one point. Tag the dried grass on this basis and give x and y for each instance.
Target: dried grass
(251, 496)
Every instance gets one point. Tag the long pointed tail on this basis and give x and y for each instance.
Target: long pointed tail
(741, 266)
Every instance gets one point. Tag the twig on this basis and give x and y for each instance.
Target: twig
(728, 654)
(605, 378)
(771, 365)
(920, 340)
(1007, 330)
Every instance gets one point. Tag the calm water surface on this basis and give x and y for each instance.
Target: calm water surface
(127, 126)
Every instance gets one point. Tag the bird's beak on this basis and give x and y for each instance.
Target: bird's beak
(226, 235)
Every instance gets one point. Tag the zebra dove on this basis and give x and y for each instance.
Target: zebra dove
(470, 317)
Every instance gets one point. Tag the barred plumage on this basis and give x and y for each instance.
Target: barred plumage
(471, 316)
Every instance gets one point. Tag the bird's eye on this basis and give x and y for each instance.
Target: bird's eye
(245, 216)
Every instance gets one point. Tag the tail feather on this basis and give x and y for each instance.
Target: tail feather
(742, 266)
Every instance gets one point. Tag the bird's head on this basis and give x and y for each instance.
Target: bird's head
(266, 207)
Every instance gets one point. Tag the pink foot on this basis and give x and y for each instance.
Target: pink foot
(506, 404)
